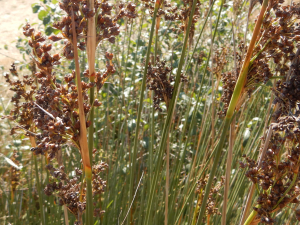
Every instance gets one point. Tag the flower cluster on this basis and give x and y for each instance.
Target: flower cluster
(69, 190)
(229, 80)
(47, 109)
(277, 43)
(160, 80)
(211, 208)
(106, 23)
(179, 15)
(51, 107)
(277, 177)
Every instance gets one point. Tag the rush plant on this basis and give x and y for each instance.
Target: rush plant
(154, 112)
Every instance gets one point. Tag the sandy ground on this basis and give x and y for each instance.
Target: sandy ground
(13, 13)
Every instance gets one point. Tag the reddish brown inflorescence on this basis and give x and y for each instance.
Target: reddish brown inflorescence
(47, 109)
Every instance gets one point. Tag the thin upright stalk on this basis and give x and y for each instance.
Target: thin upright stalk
(231, 144)
(83, 134)
(141, 100)
(91, 49)
(167, 180)
(60, 163)
(232, 105)
(38, 185)
(228, 170)
(212, 81)
(168, 120)
(168, 138)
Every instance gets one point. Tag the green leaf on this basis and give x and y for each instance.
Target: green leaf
(20, 26)
(55, 31)
(54, 1)
(146, 127)
(35, 7)
(42, 14)
(49, 30)
(46, 20)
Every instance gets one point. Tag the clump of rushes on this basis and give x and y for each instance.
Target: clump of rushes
(160, 80)
(55, 112)
(276, 42)
(277, 179)
(235, 100)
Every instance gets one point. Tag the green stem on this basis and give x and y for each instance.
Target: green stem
(38, 185)
(89, 195)
(137, 129)
(250, 218)
(287, 190)
(91, 127)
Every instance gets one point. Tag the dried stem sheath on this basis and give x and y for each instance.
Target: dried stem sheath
(83, 134)
(91, 51)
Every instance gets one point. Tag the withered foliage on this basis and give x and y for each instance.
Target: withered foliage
(161, 80)
(278, 177)
(47, 108)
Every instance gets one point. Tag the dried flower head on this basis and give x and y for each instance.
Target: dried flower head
(161, 81)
